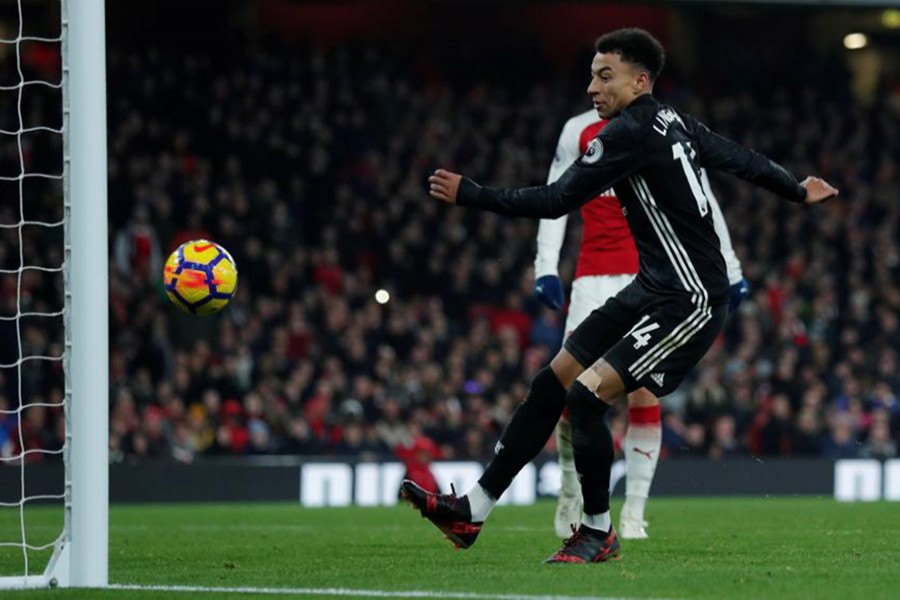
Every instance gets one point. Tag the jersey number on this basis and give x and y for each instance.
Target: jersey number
(641, 332)
(679, 154)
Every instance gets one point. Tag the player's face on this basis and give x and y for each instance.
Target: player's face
(614, 83)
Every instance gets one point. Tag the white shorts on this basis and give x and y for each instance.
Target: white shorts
(590, 293)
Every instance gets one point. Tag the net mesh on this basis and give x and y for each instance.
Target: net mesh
(33, 387)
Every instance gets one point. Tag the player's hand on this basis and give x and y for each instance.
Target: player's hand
(818, 190)
(444, 185)
(737, 294)
(548, 290)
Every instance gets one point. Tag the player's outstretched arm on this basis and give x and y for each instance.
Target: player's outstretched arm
(539, 202)
(610, 158)
(723, 154)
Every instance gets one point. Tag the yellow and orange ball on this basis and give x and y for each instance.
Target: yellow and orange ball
(200, 277)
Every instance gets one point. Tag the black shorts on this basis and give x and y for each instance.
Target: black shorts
(651, 340)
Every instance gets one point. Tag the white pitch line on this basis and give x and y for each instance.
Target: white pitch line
(350, 592)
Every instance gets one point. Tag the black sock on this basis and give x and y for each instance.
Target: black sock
(527, 432)
(592, 444)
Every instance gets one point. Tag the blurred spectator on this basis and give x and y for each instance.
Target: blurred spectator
(417, 454)
(724, 443)
(806, 437)
(184, 448)
(8, 424)
(136, 249)
(776, 429)
(300, 439)
(879, 443)
(841, 440)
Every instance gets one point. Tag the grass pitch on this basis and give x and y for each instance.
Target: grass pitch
(699, 548)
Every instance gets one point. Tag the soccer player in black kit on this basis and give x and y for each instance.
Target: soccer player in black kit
(657, 328)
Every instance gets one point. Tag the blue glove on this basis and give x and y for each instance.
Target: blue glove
(549, 291)
(737, 293)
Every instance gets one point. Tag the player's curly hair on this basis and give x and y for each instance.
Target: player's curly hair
(636, 46)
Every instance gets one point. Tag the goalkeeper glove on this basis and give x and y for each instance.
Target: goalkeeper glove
(549, 291)
(737, 293)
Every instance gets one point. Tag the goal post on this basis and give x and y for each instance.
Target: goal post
(86, 256)
(80, 552)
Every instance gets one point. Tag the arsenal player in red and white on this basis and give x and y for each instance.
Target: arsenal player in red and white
(607, 262)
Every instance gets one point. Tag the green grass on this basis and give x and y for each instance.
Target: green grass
(700, 548)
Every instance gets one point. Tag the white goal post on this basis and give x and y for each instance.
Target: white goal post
(84, 59)
(80, 557)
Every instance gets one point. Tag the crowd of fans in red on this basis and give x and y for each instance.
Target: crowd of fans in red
(310, 168)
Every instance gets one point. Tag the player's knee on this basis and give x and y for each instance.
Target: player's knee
(603, 380)
(642, 397)
(565, 367)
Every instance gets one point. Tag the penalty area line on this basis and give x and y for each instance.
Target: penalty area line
(350, 592)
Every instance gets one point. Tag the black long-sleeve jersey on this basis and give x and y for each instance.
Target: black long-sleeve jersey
(651, 155)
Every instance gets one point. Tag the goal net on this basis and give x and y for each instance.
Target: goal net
(53, 295)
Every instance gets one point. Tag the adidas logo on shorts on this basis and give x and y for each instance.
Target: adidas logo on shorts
(657, 378)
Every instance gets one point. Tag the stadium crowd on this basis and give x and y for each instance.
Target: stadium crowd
(310, 168)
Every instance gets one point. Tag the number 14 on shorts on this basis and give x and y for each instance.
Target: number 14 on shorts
(641, 332)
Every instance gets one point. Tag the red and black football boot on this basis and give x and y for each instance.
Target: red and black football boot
(449, 513)
(586, 546)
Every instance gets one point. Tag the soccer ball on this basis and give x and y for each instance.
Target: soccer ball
(200, 277)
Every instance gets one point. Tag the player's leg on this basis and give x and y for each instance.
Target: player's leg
(588, 401)
(527, 432)
(568, 501)
(588, 294)
(656, 353)
(642, 443)
(461, 518)
(591, 438)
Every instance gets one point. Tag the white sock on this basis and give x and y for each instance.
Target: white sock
(601, 522)
(642, 444)
(480, 503)
(569, 485)
(634, 507)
